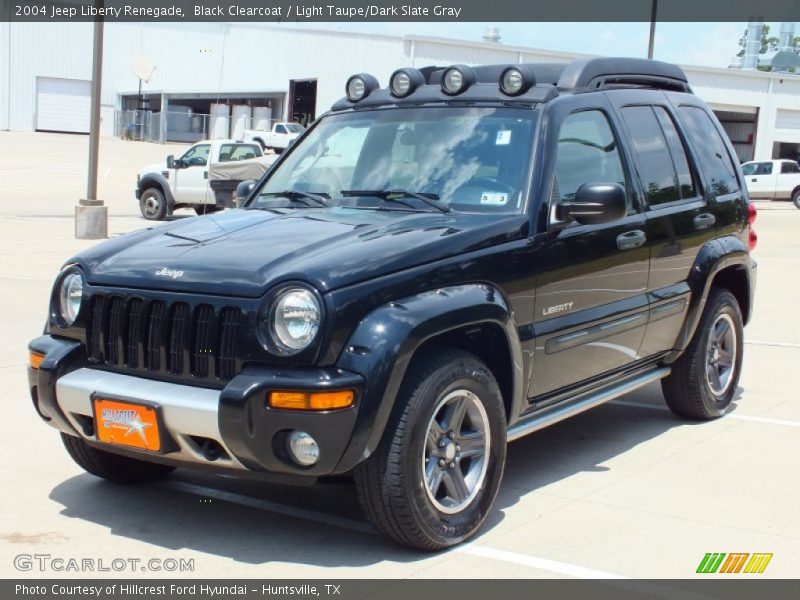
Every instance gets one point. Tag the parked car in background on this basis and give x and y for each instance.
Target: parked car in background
(277, 139)
(773, 180)
(186, 181)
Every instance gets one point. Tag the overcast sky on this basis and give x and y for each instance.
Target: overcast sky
(707, 44)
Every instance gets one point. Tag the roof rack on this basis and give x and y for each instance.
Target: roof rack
(608, 73)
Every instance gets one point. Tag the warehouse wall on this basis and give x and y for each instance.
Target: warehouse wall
(226, 57)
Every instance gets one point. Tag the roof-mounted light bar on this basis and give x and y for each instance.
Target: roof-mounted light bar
(360, 86)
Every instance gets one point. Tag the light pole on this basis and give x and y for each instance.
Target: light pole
(653, 14)
(91, 215)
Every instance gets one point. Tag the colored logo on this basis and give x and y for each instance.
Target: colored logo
(734, 562)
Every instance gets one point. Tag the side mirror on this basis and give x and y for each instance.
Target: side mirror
(243, 191)
(595, 203)
(171, 161)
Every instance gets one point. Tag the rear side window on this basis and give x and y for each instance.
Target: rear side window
(662, 161)
(790, 167)
(235, 152)
(587, 153)
(712, 153)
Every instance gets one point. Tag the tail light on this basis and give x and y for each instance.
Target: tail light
(752, 213)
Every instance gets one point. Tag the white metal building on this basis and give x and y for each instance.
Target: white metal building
(296, 74)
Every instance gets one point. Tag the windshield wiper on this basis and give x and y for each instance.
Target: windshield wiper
(299, 195)
(396, 195)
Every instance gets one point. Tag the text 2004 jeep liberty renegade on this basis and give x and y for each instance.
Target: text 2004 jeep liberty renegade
(430, 271)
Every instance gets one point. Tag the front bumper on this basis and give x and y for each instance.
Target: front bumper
(230, 430)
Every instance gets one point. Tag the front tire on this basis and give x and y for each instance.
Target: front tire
(206, 209)
(112, 467)
(796, 199)
(153, 204)
(432, 481)
(704, 379)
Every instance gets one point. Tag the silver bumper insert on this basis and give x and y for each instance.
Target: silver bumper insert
(187, 411)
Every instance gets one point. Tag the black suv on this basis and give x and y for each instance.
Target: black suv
(430, 271)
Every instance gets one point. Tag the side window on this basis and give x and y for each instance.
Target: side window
(655, 160)
(790, 167)
(197, 156)
(678, 152)
(587, 152)
(764, 168)
(750, 169)
(280, 129)
(233, 152)
(711, 150)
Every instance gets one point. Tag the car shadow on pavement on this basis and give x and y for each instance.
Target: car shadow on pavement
(236, 518)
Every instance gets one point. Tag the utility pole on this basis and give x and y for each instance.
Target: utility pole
(653, 14)
(91, 215)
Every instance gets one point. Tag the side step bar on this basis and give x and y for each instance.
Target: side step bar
(559, 412)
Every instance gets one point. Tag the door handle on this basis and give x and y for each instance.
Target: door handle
(754, 180)
(205, 174)
(704, 221)
(631, 239)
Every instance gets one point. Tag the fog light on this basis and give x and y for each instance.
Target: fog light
(303, 448)
(35, 359)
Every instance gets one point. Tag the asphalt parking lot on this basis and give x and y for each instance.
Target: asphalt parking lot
(625, 490)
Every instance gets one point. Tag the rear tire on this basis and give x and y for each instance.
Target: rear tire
(113, 467)
(153, 204)
(433, 479)
(704, 379)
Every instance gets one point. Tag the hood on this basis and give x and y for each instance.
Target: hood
(244, 252)
(153, 168)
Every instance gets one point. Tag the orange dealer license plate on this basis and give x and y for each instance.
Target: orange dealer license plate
(127, 424)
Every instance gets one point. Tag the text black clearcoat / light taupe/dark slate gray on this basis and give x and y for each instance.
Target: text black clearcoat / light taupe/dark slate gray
(565, 313)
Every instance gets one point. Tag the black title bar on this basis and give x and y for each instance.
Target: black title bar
(409, 10)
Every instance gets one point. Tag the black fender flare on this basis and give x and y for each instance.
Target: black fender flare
(714, 256)
(157, 180)
(384, 342)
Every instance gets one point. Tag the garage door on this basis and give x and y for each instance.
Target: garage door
(63, 104)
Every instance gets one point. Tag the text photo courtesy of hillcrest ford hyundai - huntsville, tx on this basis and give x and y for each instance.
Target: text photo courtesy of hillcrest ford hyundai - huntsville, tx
(354, 309)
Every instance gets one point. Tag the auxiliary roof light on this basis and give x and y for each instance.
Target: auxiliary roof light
(360, 86)
(457, 79)
(516, 80)
(403, 82)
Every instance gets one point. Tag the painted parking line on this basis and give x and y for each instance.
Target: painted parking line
(728, 415)
(776, 344)
(517, 558)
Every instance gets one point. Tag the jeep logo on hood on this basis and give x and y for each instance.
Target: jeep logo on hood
(166, 272)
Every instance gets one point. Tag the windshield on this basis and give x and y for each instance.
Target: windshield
(294, 128)
(458, 158)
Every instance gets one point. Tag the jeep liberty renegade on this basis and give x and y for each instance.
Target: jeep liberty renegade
(432, 270)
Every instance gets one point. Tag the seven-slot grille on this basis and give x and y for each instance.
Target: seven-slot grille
(154, 335)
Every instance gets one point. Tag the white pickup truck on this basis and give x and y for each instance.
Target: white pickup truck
(277, 139)
(773, 180)
(199, 178)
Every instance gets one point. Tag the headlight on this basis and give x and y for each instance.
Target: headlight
(294, 319)
(70, 297)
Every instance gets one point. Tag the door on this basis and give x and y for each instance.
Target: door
(63, 105)
(680, 219)
(761, 180)
(788, 179)
(191, 179)
(591, 302)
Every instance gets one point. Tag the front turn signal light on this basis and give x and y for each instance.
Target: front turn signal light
(296, 400)
(35, 359)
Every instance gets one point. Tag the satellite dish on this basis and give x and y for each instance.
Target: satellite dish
(143, 68)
